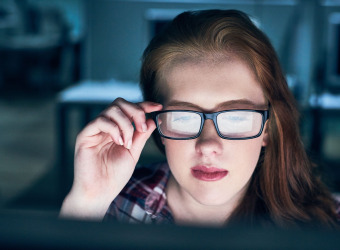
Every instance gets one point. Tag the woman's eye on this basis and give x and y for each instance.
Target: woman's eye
(182, 119)
(235, 118)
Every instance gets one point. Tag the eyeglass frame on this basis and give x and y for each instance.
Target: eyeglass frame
(211, 116)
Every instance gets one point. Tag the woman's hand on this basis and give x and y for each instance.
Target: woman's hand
(106, 153)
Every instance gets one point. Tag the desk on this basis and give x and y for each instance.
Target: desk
(85, 97)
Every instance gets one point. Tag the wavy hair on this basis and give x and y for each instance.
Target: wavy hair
(283, 189)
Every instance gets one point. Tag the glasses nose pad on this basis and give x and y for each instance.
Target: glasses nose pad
(212, 123)
(212, 120)
(210, 117)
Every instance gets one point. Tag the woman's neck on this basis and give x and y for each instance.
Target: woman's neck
(188, 211)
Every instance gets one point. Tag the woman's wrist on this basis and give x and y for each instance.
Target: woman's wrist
(81, 207)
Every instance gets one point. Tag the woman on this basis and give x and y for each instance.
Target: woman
(227, 123)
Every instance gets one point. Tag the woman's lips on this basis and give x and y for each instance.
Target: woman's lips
(204, 173)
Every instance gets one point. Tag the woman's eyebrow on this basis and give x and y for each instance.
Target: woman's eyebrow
(175, 103)
(234, 103)
(243, 102)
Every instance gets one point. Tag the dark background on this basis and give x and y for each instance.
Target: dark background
(46, 47)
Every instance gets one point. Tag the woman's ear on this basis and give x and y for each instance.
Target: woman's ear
(265, 139)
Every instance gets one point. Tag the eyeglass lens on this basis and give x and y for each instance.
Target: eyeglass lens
(179, 124)
(232, 124)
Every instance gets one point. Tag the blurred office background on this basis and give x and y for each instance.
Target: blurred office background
(62, 61)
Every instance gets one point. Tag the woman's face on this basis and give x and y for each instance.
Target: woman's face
(211, 87)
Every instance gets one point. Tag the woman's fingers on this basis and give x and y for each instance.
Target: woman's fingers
(149, 107)
(139, 139)
(99, 125)
(116, 115)
(117, 121)
(124, 113)
(136, 112)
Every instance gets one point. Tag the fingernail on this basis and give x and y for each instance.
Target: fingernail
(121, 141)
(144, 127)
(129, 145)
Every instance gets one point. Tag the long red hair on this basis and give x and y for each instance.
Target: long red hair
(283, 189)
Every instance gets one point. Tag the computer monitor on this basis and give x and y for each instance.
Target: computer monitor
(22, 231)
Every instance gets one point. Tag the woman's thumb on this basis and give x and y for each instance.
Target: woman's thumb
(140, 138)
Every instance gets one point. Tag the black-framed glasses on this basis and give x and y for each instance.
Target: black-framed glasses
(239, 124)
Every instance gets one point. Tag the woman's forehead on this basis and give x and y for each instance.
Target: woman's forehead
(211, 84)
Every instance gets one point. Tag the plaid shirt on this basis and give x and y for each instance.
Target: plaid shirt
(143, 199)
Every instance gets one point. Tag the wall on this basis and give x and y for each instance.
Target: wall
(118, 32)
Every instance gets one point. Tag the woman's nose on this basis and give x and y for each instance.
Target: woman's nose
(209, 142)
